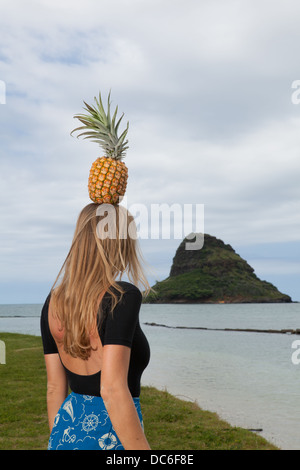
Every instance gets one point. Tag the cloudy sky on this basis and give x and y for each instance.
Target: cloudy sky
(214, 120)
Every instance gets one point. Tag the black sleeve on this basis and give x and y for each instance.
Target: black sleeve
(49, 344)
(121, 323)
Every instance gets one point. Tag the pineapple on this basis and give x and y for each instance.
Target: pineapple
(108, 175)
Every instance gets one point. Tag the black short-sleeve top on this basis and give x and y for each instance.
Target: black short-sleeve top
(122, 327)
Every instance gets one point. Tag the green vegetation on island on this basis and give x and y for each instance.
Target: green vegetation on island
(213, 274)
(170, 423)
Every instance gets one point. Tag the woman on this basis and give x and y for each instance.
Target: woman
(93, 341)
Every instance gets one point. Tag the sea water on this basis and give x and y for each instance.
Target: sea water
(248, 378)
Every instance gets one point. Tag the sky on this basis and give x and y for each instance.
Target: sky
(207, 88)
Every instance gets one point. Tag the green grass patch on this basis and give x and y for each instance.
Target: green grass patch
(173, 424)
(203, 285)
(170, 423)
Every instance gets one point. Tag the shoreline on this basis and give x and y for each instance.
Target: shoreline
(170, 422)
(235, 419)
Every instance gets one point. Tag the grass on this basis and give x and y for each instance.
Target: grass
(170, 423)
(201, 285)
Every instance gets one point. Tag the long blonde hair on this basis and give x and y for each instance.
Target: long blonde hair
(96, 259)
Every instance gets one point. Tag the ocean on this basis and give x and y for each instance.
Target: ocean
(248, 378)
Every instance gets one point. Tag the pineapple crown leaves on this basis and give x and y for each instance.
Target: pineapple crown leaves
(102, 129)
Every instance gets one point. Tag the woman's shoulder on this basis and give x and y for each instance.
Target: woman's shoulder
(45, 308)
(129, 287)
(130, 291)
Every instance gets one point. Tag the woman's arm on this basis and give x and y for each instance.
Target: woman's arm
(117, 398)
(57, 386)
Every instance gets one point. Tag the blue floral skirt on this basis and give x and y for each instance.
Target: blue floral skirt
(82, 423)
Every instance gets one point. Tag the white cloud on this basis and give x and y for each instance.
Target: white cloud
(206, 87)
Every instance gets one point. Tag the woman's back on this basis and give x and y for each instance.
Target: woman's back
(121, 327)
(90, 366)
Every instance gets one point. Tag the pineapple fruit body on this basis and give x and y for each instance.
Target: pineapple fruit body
(107, 181)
